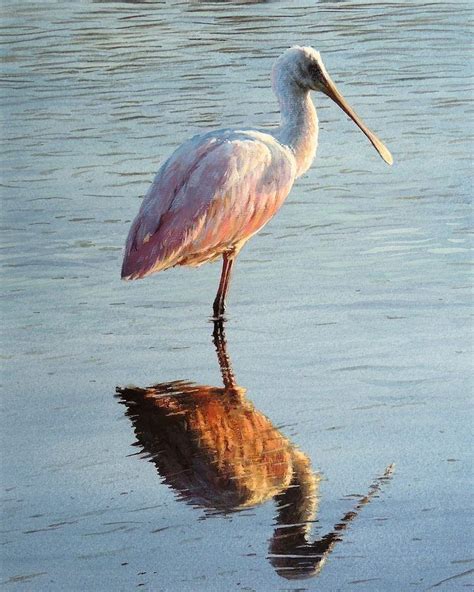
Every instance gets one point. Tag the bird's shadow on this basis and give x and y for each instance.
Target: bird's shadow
(218, 452)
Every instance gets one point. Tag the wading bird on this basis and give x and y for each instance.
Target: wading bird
(220, 188)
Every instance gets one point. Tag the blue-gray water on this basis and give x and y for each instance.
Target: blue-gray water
(349, 321)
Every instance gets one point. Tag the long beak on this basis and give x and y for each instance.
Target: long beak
(330, 89)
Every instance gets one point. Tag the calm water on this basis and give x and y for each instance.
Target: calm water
(349, 322)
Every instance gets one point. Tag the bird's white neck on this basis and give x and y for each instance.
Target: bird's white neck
(299, 123)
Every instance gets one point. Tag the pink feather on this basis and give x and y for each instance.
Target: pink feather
(211, 196)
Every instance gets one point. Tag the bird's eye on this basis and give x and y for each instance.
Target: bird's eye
(315, 71)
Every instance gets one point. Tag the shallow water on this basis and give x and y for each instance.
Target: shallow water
(349, 322)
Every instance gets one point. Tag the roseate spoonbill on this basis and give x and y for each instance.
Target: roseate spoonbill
(220, 188)
(217, 452)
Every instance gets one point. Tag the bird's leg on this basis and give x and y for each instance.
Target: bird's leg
(219, 302)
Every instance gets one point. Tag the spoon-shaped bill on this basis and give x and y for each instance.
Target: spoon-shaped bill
(331, 91)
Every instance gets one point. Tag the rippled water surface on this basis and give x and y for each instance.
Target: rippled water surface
(347, 345)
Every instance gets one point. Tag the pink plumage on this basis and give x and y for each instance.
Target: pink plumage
(211, 195)
(220, 188)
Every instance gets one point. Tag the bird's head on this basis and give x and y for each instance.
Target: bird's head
(301, 69)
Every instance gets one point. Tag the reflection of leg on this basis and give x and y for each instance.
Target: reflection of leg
(218, 335)
(221, 347)
(219, 302)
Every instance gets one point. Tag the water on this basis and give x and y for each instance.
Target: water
(349, 323)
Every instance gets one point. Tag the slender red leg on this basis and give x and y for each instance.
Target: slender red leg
(219, 302)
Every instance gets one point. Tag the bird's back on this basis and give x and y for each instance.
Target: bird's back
(209, 197)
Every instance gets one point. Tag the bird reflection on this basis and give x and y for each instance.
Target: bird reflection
(218, 452)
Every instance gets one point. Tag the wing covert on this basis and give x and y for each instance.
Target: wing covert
(209, 196)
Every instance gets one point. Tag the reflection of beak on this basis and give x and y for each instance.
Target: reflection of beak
(330, 89)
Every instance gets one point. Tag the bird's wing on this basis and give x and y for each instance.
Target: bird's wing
(213, 192)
